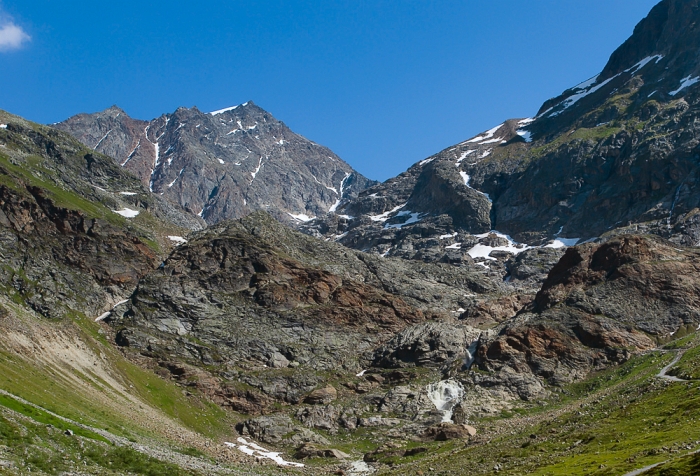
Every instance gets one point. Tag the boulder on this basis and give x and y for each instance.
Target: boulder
(309, 450)
(269, 429)
(319, 417)
(449, 431)
(322, 396)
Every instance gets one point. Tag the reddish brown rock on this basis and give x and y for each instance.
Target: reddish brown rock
(322, 396)
(599, 305)
(449, 431)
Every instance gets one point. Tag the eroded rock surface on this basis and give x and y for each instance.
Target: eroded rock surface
(600, 304)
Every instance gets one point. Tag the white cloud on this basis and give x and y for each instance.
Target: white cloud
(12, 37)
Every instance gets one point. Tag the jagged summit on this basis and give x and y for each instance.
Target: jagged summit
(670, 29)
(231, 108)
(223, 164)
(662, 54)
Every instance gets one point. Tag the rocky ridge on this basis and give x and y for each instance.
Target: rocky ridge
(614, 154)
(223, 164)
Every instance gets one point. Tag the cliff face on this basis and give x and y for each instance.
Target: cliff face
(599, 305)
(223, 164)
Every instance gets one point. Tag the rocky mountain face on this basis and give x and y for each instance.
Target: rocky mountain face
(599, 304)
(77, 231)
(617, 153)
(223, 164)
(343, 339)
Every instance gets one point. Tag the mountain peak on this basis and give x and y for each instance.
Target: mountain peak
(224, 164)
(670, 29)
(231, 108)
(114, 111)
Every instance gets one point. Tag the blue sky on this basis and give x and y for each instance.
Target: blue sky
(384, 84)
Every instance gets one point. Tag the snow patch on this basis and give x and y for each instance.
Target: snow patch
(360, 468)
(414, 218)
(456, 246)
(221, 111)
(587, 84)
(3, 126)
(563, 242)
(643, 63)
(338, 237)
(547, 111)
(104, 316)
(685, 83)
(253, 449)
(178, 176)
(178, 239)
(157, 146)
(127, 212)
(127, 193)
(471, 351)
(487, 135)
(361, 373)
(463, 156)
(483, 251)
(444, 237)
(571, 100)
(301, 217)
(260, 163)
(100, 142)
(334, 207)
(527, 135)
(385, 216)
(426, 161)
(128, 158)
(332, 189)
(221, 161)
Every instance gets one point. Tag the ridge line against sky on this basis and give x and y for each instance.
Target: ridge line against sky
(384, 84)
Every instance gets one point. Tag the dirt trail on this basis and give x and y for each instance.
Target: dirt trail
(663, 373)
